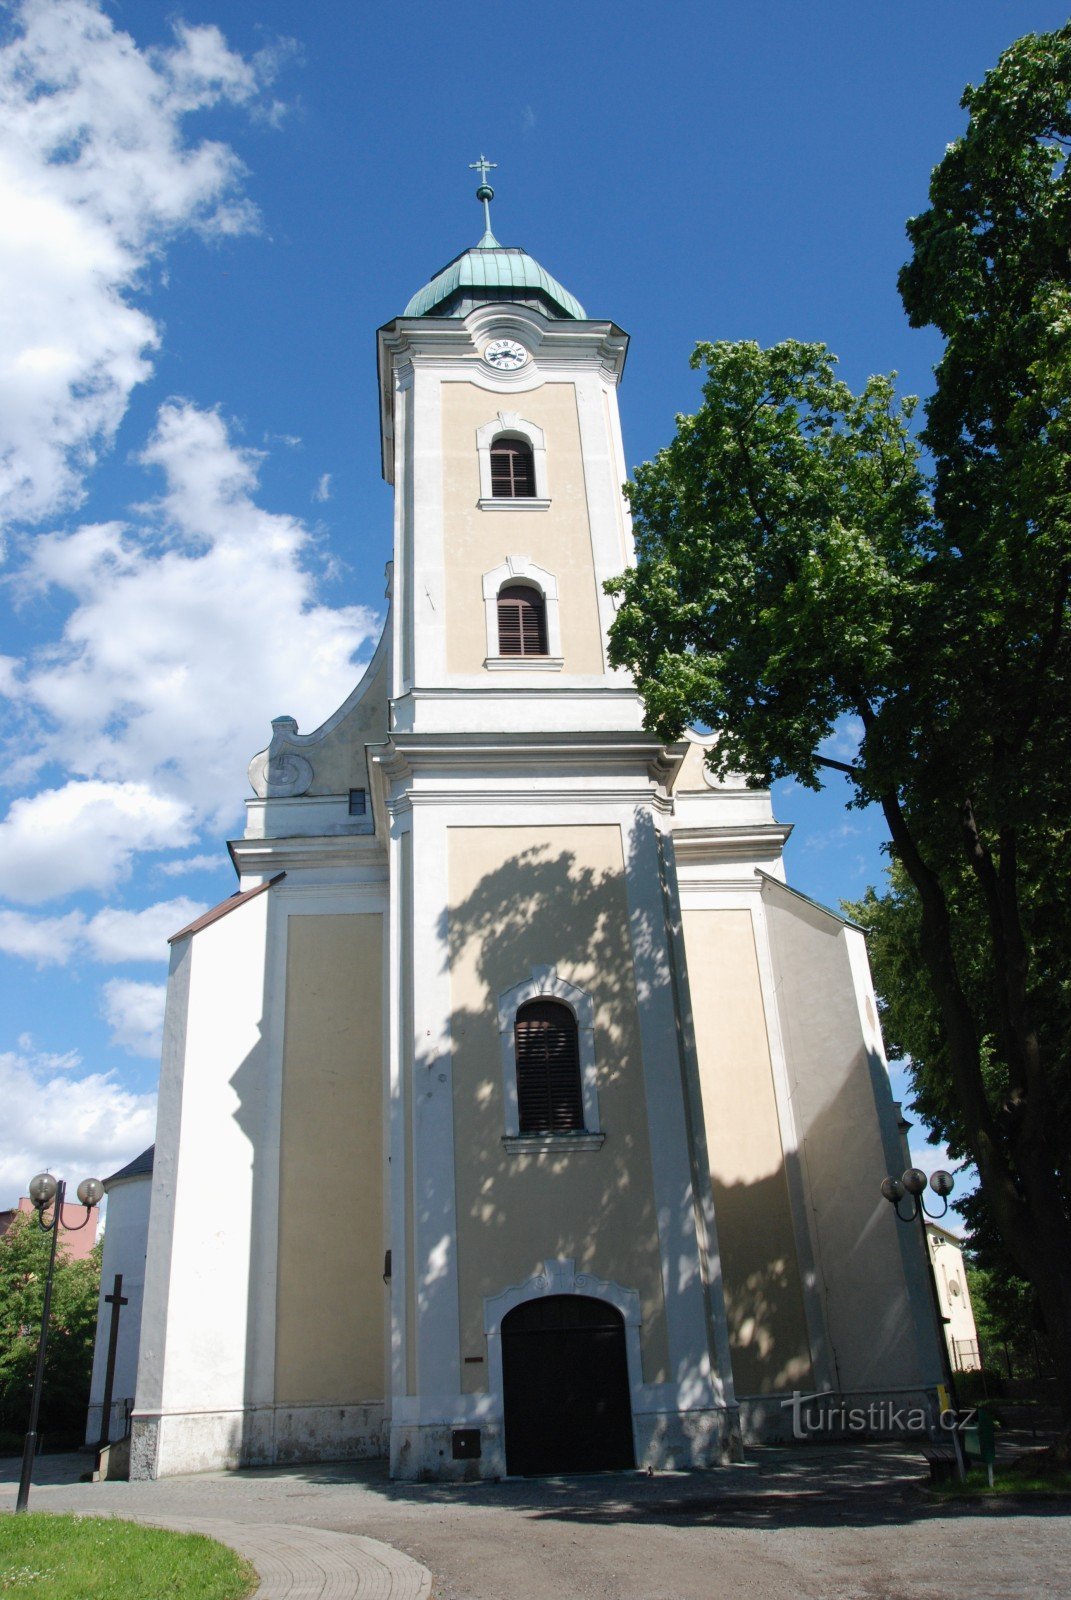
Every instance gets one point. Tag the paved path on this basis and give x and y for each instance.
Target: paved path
(817, 1523)
(297, 1563)
(293, 1562)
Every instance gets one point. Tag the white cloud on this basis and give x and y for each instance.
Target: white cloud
(843, 743)
(77, 1125)
(46, 941)
(112, 935)
(116, 935)
(96, 175)
(322, 490)
(184, 864)
(191, 629)
(195, 621)
(135, 1013)
(83, 836)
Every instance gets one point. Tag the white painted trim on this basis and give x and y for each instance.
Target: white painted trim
(555, 1144)
(524, 569)
(705, 1219)
(545, 983)
(683, 1284)
(399, 1041)
(531, 503)
(433, 1190)
(524, 663)
(511, 425)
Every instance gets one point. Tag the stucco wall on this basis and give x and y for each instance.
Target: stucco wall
(329, 1335)
(214, 1080)
(519, 898)
(125, 1241)
(558, 539)
(763, 1293)
(338, 757)
(875, 1293)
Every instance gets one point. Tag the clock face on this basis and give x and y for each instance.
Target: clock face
(505, 354)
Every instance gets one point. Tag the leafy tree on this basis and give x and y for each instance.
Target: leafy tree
(24, 1251)
(795, 564)
(1005, 1314)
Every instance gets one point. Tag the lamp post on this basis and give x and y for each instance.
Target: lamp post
(912, 1187)
(46, 1190)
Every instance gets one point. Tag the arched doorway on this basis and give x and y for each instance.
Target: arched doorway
(565, 1387)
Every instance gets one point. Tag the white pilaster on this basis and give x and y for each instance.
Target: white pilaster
(438, 1354)
(698, 1386)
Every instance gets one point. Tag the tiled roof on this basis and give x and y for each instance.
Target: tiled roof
(134, 1169)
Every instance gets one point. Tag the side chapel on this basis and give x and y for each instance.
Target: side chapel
(515, 1115)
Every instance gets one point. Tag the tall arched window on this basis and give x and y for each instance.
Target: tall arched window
(522, 621)
(549, 1098)
(512, 470)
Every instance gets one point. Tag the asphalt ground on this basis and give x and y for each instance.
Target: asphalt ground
(826, 1522)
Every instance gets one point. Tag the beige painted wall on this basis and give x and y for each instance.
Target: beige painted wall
(849, 1141)
(519, 898)
(329, 1333)
(764, 1299)
(559, 540)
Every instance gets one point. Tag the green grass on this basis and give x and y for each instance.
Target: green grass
(1004, 1483)
(99, 1558)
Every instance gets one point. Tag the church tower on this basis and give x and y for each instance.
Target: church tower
(545, 1110)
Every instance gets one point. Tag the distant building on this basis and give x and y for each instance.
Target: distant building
(75, 1239)
(950, 1271)
(128, 1192)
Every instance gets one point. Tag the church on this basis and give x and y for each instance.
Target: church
(516, 1116)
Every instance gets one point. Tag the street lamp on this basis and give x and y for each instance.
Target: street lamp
(45, 1190)
(912, 1187)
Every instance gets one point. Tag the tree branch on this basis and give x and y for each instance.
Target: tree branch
(838, 766)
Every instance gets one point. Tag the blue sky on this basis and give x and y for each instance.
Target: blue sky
(208, 212)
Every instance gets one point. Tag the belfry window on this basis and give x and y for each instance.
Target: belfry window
(522, 621)
(512, 470)
(549, 1098)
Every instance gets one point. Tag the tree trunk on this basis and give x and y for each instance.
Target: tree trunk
(1018, 1176)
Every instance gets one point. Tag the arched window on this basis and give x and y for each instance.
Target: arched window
(522, 621)
(512, 470)
(549, 1098)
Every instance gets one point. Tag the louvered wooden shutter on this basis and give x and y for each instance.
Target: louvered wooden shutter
(522, 622)
(548, 1069)
(512, 470)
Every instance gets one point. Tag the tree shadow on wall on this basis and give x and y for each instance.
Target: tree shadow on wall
(542, 907)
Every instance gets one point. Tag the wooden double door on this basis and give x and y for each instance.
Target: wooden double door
(567, 1400)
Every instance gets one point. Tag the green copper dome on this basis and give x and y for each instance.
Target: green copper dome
(491, 271)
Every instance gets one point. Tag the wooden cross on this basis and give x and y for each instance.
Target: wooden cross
(116, 1300)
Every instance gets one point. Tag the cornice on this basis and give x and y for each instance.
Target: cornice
(335, 851)
(414, 799)
(438, 769)
(729, 841)
(407, 342)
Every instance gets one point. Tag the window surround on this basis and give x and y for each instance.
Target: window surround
(512, 570)
(545, 984)
(508, 424)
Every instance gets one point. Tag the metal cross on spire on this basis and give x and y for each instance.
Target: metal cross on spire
(486, 194)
